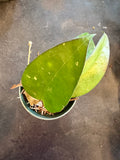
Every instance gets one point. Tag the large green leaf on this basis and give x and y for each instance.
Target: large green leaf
(53, 76)
(94, 69)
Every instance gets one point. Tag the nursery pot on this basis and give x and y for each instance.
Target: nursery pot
(26, 106)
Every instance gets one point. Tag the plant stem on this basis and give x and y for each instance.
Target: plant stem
(29, 52)
(38, 54)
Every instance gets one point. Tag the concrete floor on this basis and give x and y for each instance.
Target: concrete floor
(91, 131)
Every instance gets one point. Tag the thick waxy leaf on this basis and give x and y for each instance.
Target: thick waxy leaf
(53, 76)
(91, 45)
(94, 69)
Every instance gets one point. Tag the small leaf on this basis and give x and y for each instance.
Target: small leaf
(53, 75)
(94, 69)
(91, 45)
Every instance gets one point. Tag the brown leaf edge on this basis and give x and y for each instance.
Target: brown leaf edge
(16, 85)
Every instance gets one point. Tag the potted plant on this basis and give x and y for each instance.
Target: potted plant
(53, 81)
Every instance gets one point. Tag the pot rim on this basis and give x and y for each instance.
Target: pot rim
(67, 109)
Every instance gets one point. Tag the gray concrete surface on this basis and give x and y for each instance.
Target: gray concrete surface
(91, 131)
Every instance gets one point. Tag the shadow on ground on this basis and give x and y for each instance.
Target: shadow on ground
(114, 137)
(115, 49)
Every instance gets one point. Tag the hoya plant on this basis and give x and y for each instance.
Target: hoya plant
(65, 72)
